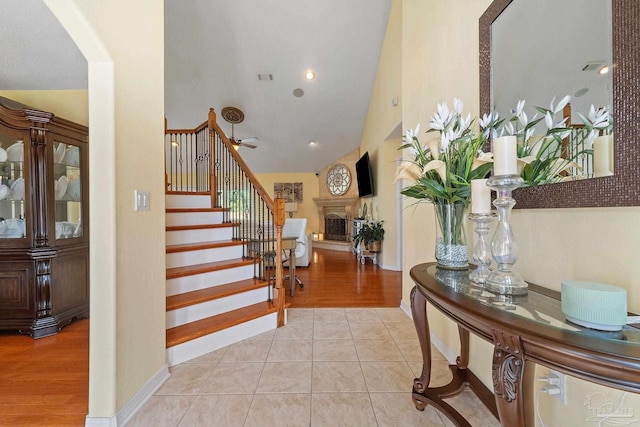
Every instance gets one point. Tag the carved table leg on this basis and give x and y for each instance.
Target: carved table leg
(418, 309)
(463, 360)
(512, 376)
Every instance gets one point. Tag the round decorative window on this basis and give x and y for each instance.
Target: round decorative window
(338, 180)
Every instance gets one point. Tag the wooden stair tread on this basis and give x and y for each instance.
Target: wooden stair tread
(201, 226)
(190, 331)
(186, 247)
(195, 210)
(186, 299)
(189, 270)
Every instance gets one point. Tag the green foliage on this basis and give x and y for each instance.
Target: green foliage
(368, 233)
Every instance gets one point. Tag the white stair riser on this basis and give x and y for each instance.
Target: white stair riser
(179, 259)
(203, 345)
(211, 308)
(200, 235)
(193, 218)
(200, 281)
(186, 201)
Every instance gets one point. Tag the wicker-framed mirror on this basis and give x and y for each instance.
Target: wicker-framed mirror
(623, 188)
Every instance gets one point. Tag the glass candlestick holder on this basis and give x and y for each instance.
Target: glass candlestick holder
(481, 254)
(503, 280)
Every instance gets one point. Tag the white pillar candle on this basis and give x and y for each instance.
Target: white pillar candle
(480, 197)
(601, 146)
(505, 156)
(611, 156)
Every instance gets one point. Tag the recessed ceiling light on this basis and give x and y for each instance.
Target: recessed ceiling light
(298, 92)
(312, 143)
(604, 69)
(309, 75)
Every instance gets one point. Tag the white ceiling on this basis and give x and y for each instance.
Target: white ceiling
(214, 51)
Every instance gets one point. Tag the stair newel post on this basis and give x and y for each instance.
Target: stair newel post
(213, 187)
(279, 218)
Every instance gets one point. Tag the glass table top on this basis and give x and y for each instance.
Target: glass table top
(535, 306)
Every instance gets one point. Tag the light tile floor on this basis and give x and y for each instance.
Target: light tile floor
(326, 367)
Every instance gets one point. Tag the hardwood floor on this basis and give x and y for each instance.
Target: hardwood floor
(45, 381)
(337, 279)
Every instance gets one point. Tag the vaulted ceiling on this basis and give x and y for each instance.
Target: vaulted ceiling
(214, 52)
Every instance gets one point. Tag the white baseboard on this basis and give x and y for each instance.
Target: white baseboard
(134, 404)
(449, 354)
(406, 308)
(100, 422)
(390, 267)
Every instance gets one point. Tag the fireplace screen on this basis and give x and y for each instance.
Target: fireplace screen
(335, 228)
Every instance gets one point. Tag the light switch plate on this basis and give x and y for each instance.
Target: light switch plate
(141, 200)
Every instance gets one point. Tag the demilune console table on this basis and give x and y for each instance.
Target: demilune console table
(524, 331)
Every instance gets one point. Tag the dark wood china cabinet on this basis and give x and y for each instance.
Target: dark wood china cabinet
(44, 227)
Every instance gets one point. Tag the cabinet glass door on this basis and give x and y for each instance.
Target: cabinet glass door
(12, 188)
(67, 189)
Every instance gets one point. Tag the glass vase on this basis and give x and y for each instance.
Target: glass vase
(451, 240)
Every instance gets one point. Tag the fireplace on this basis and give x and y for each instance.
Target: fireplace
(335, 214)
(336, 228)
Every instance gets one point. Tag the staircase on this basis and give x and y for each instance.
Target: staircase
(213, 297)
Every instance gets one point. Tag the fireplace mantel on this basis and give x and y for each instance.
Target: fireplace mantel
(336, 202)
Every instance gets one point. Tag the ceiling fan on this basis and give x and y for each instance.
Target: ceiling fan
(234, 116)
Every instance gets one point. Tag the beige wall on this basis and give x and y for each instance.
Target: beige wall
(68, 104)
(126, 120)
(306, 209)
(381, 138)
(439, 62)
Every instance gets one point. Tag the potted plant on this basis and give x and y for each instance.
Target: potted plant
(370, 235)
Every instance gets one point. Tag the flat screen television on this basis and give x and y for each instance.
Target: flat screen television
(364, 176)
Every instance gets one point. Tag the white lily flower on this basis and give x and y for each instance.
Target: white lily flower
(529, 133)
(409, 171)
(443, 109)
(523, 161)
(548, 119)
(599, 118)
(535, 144)
(457, 105)
(559, 165)
(440, 120)
(563, 102)
(523, 119)
(434, 147)
(453, 134)
(485, 120)
(444, 142)
(439, 166)
(509, 128)
(465, 123)
(481, 159)
(519, 107)
(553, 100)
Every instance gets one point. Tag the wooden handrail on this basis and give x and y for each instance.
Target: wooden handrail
(196, 130)
(213, 127)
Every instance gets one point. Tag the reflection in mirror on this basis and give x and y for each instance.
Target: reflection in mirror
(619, 189)
(548, 55)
